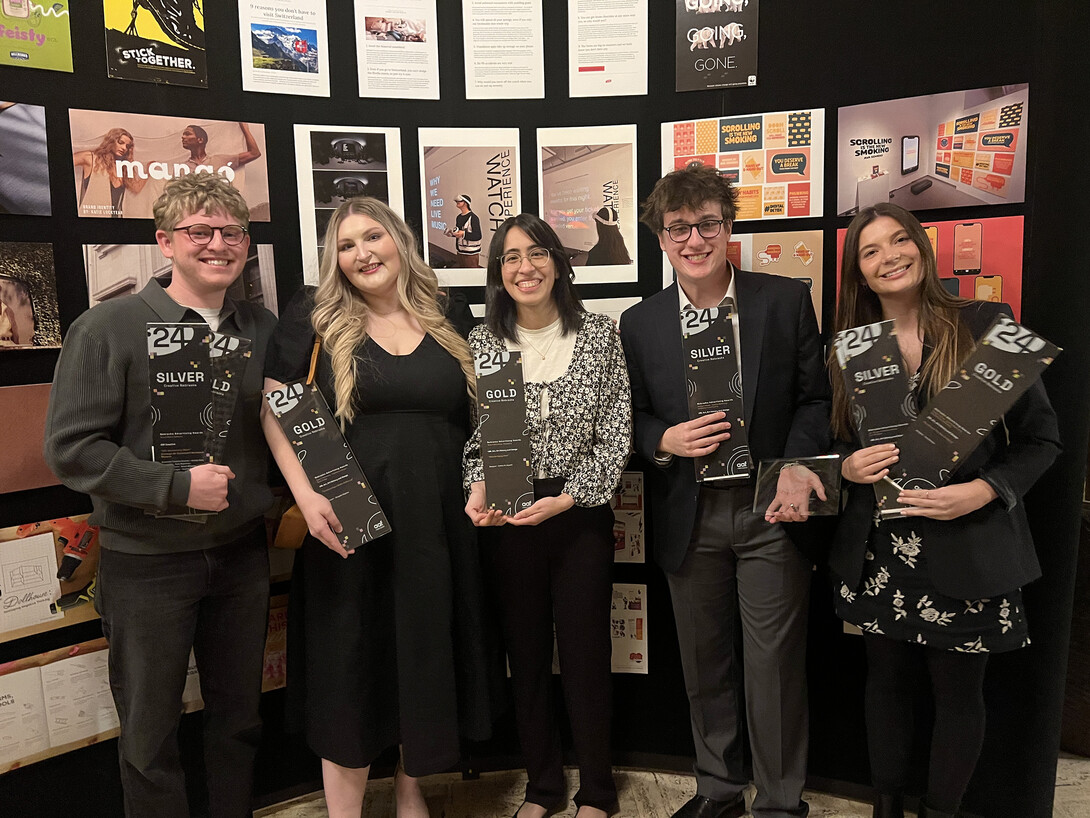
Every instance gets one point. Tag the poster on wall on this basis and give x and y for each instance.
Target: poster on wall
(397, 49)
(628, 521)
(716, 44)
(607, 48)
(284, 47)
(50, 565)
(24, 465)
(123, 160)
(115, 270)
(776, 160)
(35, 35)
(958, 149)
(471, 183)
(24, 160)
(792, 254)
(587, 194)
(334, 163)
(28, 582)
(29, 317)
(517, 69)
(628, 628)
(979, 259)
(155, 42)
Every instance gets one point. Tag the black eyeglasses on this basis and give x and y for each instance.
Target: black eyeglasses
(202, 233)
(538, 257)
(709, 229)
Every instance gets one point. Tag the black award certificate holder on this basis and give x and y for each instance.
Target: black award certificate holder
(713, 381)
(329, 463)
(505, 440)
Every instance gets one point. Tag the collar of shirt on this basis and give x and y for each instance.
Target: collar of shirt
(174, 313)
(731, 293)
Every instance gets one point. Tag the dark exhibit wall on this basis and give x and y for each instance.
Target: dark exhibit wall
(828, 56)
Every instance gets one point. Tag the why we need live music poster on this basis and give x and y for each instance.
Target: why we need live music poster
(156, 41)
(716, 44)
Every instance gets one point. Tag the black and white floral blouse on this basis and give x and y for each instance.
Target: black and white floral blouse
(587, 436)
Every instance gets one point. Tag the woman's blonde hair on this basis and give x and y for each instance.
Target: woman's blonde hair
(340, 310)
(946, 339)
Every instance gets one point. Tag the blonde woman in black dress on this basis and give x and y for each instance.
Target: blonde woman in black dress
(938, 590)
(385, 642)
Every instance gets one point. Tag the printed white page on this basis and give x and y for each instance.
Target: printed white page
(284, 47)
(607, 48)
(397, 49)
(504, 52)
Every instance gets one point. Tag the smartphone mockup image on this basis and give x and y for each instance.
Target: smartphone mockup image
(967, 248)
(933, 237)
(989, 288)
(910, 154)
(952, 285)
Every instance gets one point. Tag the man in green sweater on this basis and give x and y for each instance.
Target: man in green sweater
(168, 585)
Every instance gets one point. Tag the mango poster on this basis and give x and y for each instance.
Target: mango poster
(122, 161)
(35, 35)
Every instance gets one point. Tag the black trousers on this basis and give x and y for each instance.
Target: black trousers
(560, 570)
(155, 608)
(898, 674)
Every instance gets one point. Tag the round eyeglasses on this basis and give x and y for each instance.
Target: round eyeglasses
(708, 229)
(538, 257)
(202, 233)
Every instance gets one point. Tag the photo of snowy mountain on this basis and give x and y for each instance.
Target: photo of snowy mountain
(284, 49)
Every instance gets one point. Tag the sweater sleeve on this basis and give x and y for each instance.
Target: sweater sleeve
(86, 404)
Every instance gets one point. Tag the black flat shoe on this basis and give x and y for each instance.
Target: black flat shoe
(700, 806)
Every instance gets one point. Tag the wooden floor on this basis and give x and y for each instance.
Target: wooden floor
(642, 794)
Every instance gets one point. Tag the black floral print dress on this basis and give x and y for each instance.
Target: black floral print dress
(896, 599)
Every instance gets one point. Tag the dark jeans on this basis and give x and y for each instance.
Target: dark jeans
(154, 609)
(561, 568)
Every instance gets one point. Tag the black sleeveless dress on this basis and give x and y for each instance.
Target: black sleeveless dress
(387, 646)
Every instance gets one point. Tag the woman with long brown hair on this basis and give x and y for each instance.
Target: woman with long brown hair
(386, 644)
(100, 182)
(938, 589)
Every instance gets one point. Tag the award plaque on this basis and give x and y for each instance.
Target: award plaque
(714, 384)
(178, 371)
(181, 405)
(329, 464)
(823, 468)
(228, 356)
(1006, 362)
(880, 395)
(505, 440)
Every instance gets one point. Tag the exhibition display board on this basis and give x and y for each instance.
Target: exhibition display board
(306, 104)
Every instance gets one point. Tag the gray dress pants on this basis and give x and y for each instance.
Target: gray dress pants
(741, 570)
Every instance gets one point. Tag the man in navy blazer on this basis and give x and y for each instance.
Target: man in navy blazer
(726, 565)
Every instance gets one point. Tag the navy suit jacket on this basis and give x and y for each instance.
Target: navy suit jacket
(785, 393)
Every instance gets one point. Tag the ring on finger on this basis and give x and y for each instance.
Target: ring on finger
(793, 507)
